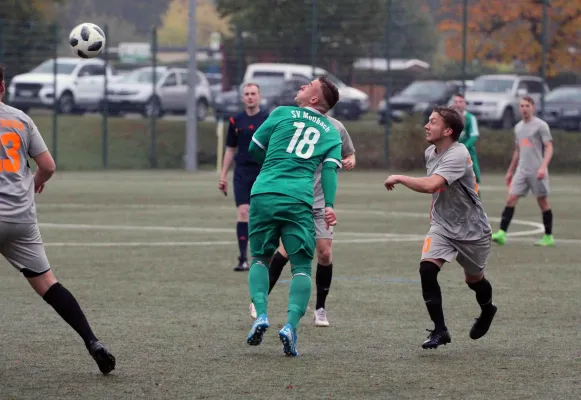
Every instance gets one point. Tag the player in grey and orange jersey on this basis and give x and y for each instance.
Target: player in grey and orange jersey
(459, 227)
(20, 240)
(529, 171)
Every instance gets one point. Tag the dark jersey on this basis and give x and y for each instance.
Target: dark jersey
(240, 131)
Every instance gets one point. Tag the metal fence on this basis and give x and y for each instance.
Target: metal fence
(375, 49)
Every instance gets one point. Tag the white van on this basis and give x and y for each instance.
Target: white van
(352, 103)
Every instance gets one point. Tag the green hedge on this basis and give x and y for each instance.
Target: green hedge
(79, 142)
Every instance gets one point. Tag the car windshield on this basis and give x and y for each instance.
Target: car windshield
(62, 68)
(565, 94)
(492, 85)
(425, 89)
(268, 86)
(143, 76)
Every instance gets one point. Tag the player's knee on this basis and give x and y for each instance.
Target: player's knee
(429, 269)
(324, 255)
(301, 269)
(243, 212)
(282, 251)
(511, 200)
(543, 203)
(473, 277)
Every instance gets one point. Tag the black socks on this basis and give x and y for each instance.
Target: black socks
(432, 293)
(548, 221)
(275, 269)
(507, 215)
(67, 307)
(323, 280)
(483, 290)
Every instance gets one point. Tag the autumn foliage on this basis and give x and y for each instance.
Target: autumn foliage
(503, 31)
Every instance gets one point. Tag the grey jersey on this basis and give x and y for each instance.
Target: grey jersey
(529, 137)
(19, 139)
(457, 211)
(346, 150)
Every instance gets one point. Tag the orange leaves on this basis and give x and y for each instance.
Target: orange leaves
(501, 31)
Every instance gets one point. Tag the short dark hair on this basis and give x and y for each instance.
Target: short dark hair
(459, 95)
(528, 99)
(452, 119)
(330, 91)
(1, 72)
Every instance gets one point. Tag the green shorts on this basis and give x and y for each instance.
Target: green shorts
(274, 217)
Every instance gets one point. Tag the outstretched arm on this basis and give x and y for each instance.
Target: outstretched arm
(430, 184)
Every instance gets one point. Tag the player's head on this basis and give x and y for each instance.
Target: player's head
(445, 123)
(527, 107)
(251, 95)
(2, 85)
(321, 94)
(459, 102)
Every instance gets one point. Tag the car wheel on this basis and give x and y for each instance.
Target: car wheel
(66, 103)
(202, 110)
(152, 108)
(507, 121)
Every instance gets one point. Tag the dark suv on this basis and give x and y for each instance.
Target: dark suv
(418, 97)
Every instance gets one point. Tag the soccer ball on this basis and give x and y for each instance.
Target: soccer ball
(87, 40)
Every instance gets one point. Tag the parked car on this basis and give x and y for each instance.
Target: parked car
(353, 103)
(418, 97)
(494, 99)
(79, 85)
(136, 93)
(563, 108)
(274, 91)
(215, 81)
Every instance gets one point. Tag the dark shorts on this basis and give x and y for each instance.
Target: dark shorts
(244, 177)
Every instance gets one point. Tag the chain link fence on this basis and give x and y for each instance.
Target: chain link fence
(393, 61)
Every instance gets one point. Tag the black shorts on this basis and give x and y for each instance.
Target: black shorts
(244, 178)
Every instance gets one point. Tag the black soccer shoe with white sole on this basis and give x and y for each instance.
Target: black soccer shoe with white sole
(242, 266)
(437, 338)
(105, 360)
(482, 323)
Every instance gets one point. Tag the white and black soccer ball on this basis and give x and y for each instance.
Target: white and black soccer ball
(87, 40)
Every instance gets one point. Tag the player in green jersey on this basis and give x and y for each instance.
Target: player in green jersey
(470, 134)
(290, 145)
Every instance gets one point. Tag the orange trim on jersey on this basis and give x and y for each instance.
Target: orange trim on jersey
(232, 121)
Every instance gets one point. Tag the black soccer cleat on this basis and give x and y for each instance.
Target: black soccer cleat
(482, 323)
(242, 265)
(105, 360)
(437, 338)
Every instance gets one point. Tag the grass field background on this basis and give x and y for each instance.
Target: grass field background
(149, 255)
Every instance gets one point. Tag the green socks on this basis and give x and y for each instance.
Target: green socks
(299, 296)
(258, 283)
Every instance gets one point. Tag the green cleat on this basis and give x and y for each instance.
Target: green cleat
(499, 237)
(546, 241)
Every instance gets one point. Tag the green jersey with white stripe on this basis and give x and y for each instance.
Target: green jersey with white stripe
(296, 141)
(470, 134)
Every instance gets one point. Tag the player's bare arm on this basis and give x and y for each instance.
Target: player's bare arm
(430, 184)
(548, 154)
(228, 157)
(513, 164)
(44, 171)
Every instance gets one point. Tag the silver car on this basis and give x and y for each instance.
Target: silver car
(136, 93)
